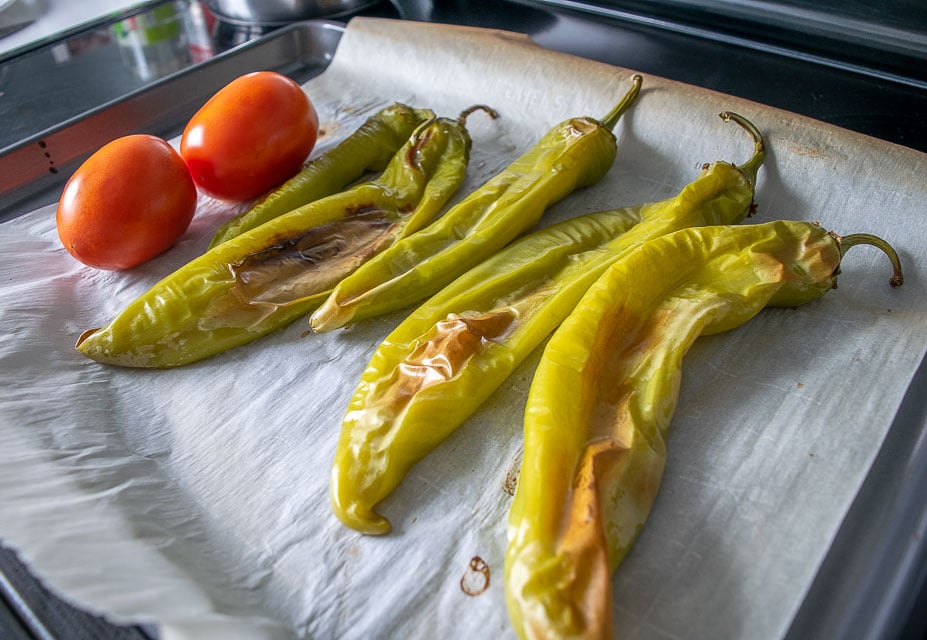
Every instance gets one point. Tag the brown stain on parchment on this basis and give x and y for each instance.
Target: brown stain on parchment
(510, 482)
(475, 579)
(807, 152)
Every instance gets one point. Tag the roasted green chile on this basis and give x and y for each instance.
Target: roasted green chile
(264, 279)
(574, 154)
(369, 148)
(604, 393)
(441, 363)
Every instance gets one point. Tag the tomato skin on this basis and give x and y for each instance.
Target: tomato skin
(127, 203)
(252, 135)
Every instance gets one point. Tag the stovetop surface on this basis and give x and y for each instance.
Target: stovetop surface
(882, 96)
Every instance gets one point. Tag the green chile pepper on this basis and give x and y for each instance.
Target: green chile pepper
(442, 362)
(604, 393)
(266, 278)
(576, 153)
(370, 148)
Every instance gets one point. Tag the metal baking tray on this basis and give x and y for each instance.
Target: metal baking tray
(33, 171)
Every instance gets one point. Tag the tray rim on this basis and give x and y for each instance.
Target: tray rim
(31, 174)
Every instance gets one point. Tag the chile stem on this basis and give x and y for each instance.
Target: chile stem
(752, 166)
(848, 242)
(610, 120)
(462, 118)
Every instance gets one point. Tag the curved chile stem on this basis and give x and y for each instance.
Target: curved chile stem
(610, 120)
(847, 242)
(462, 118)
(751, 166)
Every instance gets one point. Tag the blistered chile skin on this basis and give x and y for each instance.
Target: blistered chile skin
(445, 359)
(603, 396)
(266, 278)
(574, 154)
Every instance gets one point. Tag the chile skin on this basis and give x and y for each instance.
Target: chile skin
(441, 363)
(262, 280)
(603, 396)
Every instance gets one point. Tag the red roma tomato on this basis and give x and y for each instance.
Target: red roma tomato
(253, 134)
(127, 203)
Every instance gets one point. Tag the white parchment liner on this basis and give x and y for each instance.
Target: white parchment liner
(197, 498)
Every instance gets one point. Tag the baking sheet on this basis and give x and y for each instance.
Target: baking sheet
(197, 498)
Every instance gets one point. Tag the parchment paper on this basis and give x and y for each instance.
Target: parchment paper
(197, 498)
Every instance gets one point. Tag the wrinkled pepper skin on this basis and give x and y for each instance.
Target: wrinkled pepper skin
(574, 154)
(437, 366)
(604, 393)
(268, 277)
(447, 357)
(369, 148)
